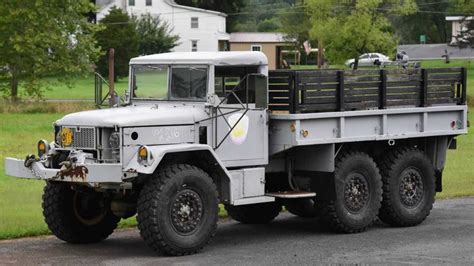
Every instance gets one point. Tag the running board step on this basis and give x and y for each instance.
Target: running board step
(291, 194)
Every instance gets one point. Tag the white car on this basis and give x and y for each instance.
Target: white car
(369, 59)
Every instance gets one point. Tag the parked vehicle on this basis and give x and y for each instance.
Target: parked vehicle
(199, 129)
(370, 59)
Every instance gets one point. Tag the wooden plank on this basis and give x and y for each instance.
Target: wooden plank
(277, 73)
(442, 100)
(320, 93)
(316, 73)
(416, 71)
(361, 73)
(362, 105)
(279, 87)
(279, 93)
(317, 86)
(362, 85)
(440, 88)
(446, 70)
(403, 90)
(278, 80)
(304, 108)
(331, 79)
(398, 78)
(442, 76)
(313, 100)
(279, 100)
(403, 83)
(414, 102)
(383, 89)
(365, 91)
(356, 79)
(361, 98)
(402, 96)
(442, 82)
(446, 94)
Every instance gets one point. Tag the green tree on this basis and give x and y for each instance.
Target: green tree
(119, 32)
(154, 35)
(430, 20)
(269, 25)
(351, 28)
(295, 22)
(44, 38)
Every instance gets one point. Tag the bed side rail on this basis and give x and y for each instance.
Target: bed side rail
(305, 91)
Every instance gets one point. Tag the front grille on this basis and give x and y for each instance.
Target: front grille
(84, 137)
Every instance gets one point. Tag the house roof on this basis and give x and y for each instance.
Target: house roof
(253, 37)
(174, 4)
(204, 58)
(458, 18)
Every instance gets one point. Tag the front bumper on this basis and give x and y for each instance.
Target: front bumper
(87, 173)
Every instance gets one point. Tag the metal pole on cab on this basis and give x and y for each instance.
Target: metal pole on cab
(112, 96)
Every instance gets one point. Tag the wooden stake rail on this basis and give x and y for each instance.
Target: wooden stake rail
(303, 91)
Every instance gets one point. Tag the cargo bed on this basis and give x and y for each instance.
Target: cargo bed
(332, 106)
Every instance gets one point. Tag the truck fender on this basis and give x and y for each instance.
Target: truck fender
(159, 152)
(219, 172)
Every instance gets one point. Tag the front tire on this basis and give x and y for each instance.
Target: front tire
(178, 210)
(77, 216)
(408, 187)
(358, 194)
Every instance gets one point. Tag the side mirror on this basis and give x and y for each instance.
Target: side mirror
(258, 84)
(126, 97)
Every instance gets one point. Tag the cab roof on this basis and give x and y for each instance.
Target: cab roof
(204, 58)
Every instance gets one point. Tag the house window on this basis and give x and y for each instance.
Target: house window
(194, 46)
(194, 23)
(148, 2)
(131, 2)
(256, 48)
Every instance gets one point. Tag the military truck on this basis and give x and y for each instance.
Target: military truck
(201, 129)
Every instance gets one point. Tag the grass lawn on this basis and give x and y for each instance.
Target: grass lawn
(81, 88)
(20, 200)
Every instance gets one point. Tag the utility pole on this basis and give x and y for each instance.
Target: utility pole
(112, 96)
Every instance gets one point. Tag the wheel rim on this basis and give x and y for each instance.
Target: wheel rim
(186, 211)
(89, 208)
(411, 187)
(356, 192)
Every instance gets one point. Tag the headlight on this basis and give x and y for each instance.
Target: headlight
(114, 140)
(43, 148)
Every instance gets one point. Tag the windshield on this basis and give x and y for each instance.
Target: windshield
(188, 83)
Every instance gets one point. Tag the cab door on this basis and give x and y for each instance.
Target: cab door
(240, 135)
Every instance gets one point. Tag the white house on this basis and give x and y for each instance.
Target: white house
(458, 26)
(198, 29)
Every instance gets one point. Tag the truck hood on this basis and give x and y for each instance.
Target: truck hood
(131, 116)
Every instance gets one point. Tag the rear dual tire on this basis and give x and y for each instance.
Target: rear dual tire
(408, 187)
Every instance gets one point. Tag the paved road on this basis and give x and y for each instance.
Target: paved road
(446, 237)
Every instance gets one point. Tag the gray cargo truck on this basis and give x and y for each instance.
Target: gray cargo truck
(201, 129)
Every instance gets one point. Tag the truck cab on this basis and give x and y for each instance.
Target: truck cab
(206, 128)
